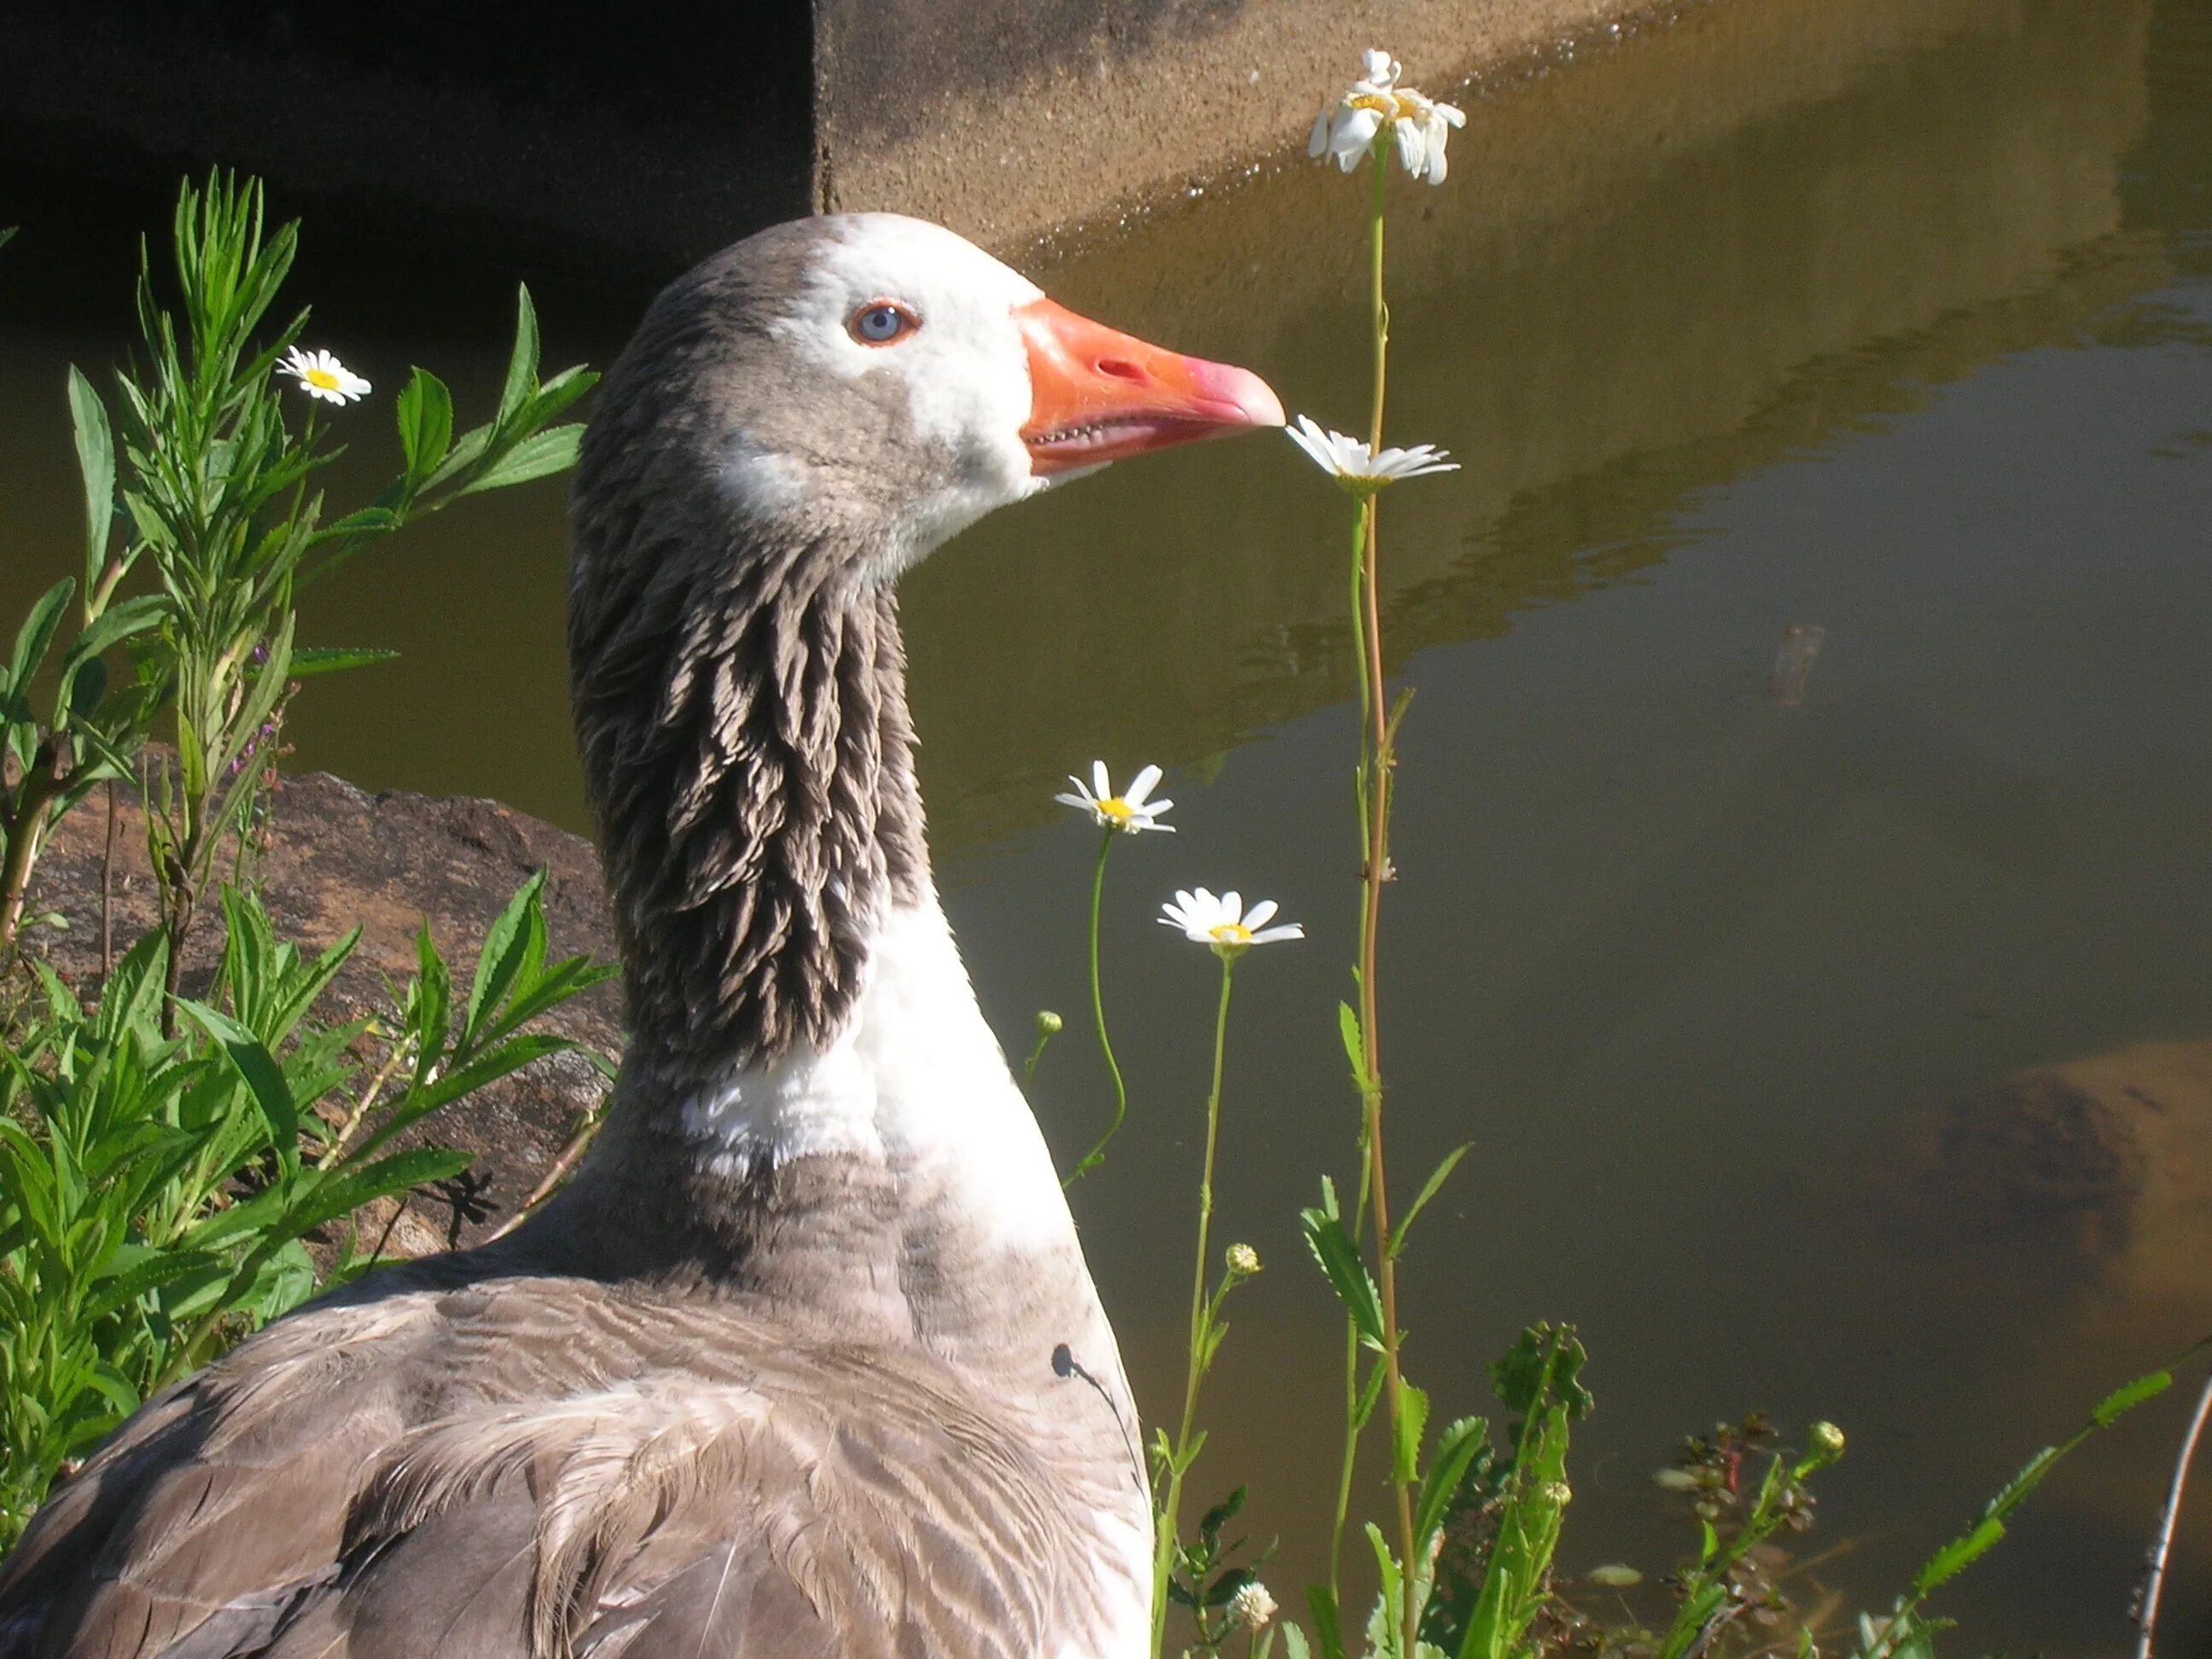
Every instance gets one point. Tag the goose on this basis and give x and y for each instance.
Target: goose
(807, 1360)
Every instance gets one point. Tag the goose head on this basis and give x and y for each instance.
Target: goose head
(880, 382)
(798, 420)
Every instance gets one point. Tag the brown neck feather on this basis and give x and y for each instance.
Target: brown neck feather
(742, 713)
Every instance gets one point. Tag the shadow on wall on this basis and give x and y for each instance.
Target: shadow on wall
(646, 134)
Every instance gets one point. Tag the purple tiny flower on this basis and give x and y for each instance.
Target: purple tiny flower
(260, 654)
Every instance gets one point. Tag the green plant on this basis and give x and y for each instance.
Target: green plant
(203, 477)
(155, 1191)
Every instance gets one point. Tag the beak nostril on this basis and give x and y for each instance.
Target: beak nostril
(1121, 369)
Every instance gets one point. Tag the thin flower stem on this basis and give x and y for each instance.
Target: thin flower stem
(360, 1109)
(1378, 796)
(1347, 1464)
(107, 893)
(588, 1130)
(1097, 1155)
(2154, 1585)
(1380, 312)
(1358, 568)
(1029, 1065)
(1201, 1325)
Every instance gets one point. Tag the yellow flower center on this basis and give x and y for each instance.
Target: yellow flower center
(321, 379)
(1231, 932)
(1383, 105)
(1115, 811)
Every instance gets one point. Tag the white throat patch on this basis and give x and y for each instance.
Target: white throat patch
(915, 1081)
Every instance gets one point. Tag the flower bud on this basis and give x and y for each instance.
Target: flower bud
(1048, 1023)
(1243, 1261)
(1827, 1440)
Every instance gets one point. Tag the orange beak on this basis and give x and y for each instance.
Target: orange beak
(1096, 395)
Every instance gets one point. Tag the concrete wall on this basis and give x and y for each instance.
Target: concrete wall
(1005, 119)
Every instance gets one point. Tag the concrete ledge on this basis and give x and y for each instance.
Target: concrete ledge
(1005, 118)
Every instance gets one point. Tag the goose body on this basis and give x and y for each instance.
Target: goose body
(808, 1360)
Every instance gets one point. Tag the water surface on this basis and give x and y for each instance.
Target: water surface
(1890, 318)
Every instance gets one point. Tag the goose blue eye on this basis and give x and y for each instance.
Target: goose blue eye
(879, 322)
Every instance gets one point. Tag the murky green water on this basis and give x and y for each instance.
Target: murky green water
(1889, 318)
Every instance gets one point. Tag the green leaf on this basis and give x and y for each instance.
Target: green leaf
(95, 464)
(1957, 1556)
(309, 660)
(1346, 1274)
(507, 943)
(87, 687)
(1545, 1364)
(363, 521)
(522, 362)
(558, 393)
(116, 623)
(2125, 1399)
(1407, 1428)
(553, 450)
(37, 633)
(1456, 1448)
(1224, 1588)
(1211, 1523)
(1429, 1190)
(339, 1193)
(261, 1074)
(1355, 1051)
(163, 1268)
(1329, 1623)
(425, 413)
(1370, 1392)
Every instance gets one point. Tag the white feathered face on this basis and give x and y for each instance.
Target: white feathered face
(1006, 392)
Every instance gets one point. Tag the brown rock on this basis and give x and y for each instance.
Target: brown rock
(337, 858)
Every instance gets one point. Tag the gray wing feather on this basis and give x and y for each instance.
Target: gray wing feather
(619, 1484)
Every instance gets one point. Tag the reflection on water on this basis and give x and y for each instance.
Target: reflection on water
(1810, 735)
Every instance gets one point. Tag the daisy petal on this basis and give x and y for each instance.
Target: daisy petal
(1101, 785)
(1141, 785)
(1410, 153)
(1257, 916)
(1353, 134)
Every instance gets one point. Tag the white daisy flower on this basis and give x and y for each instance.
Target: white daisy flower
(1419, 125)
(1224, 922)
(1129, 811)
(324, 376)
(1351, 465)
